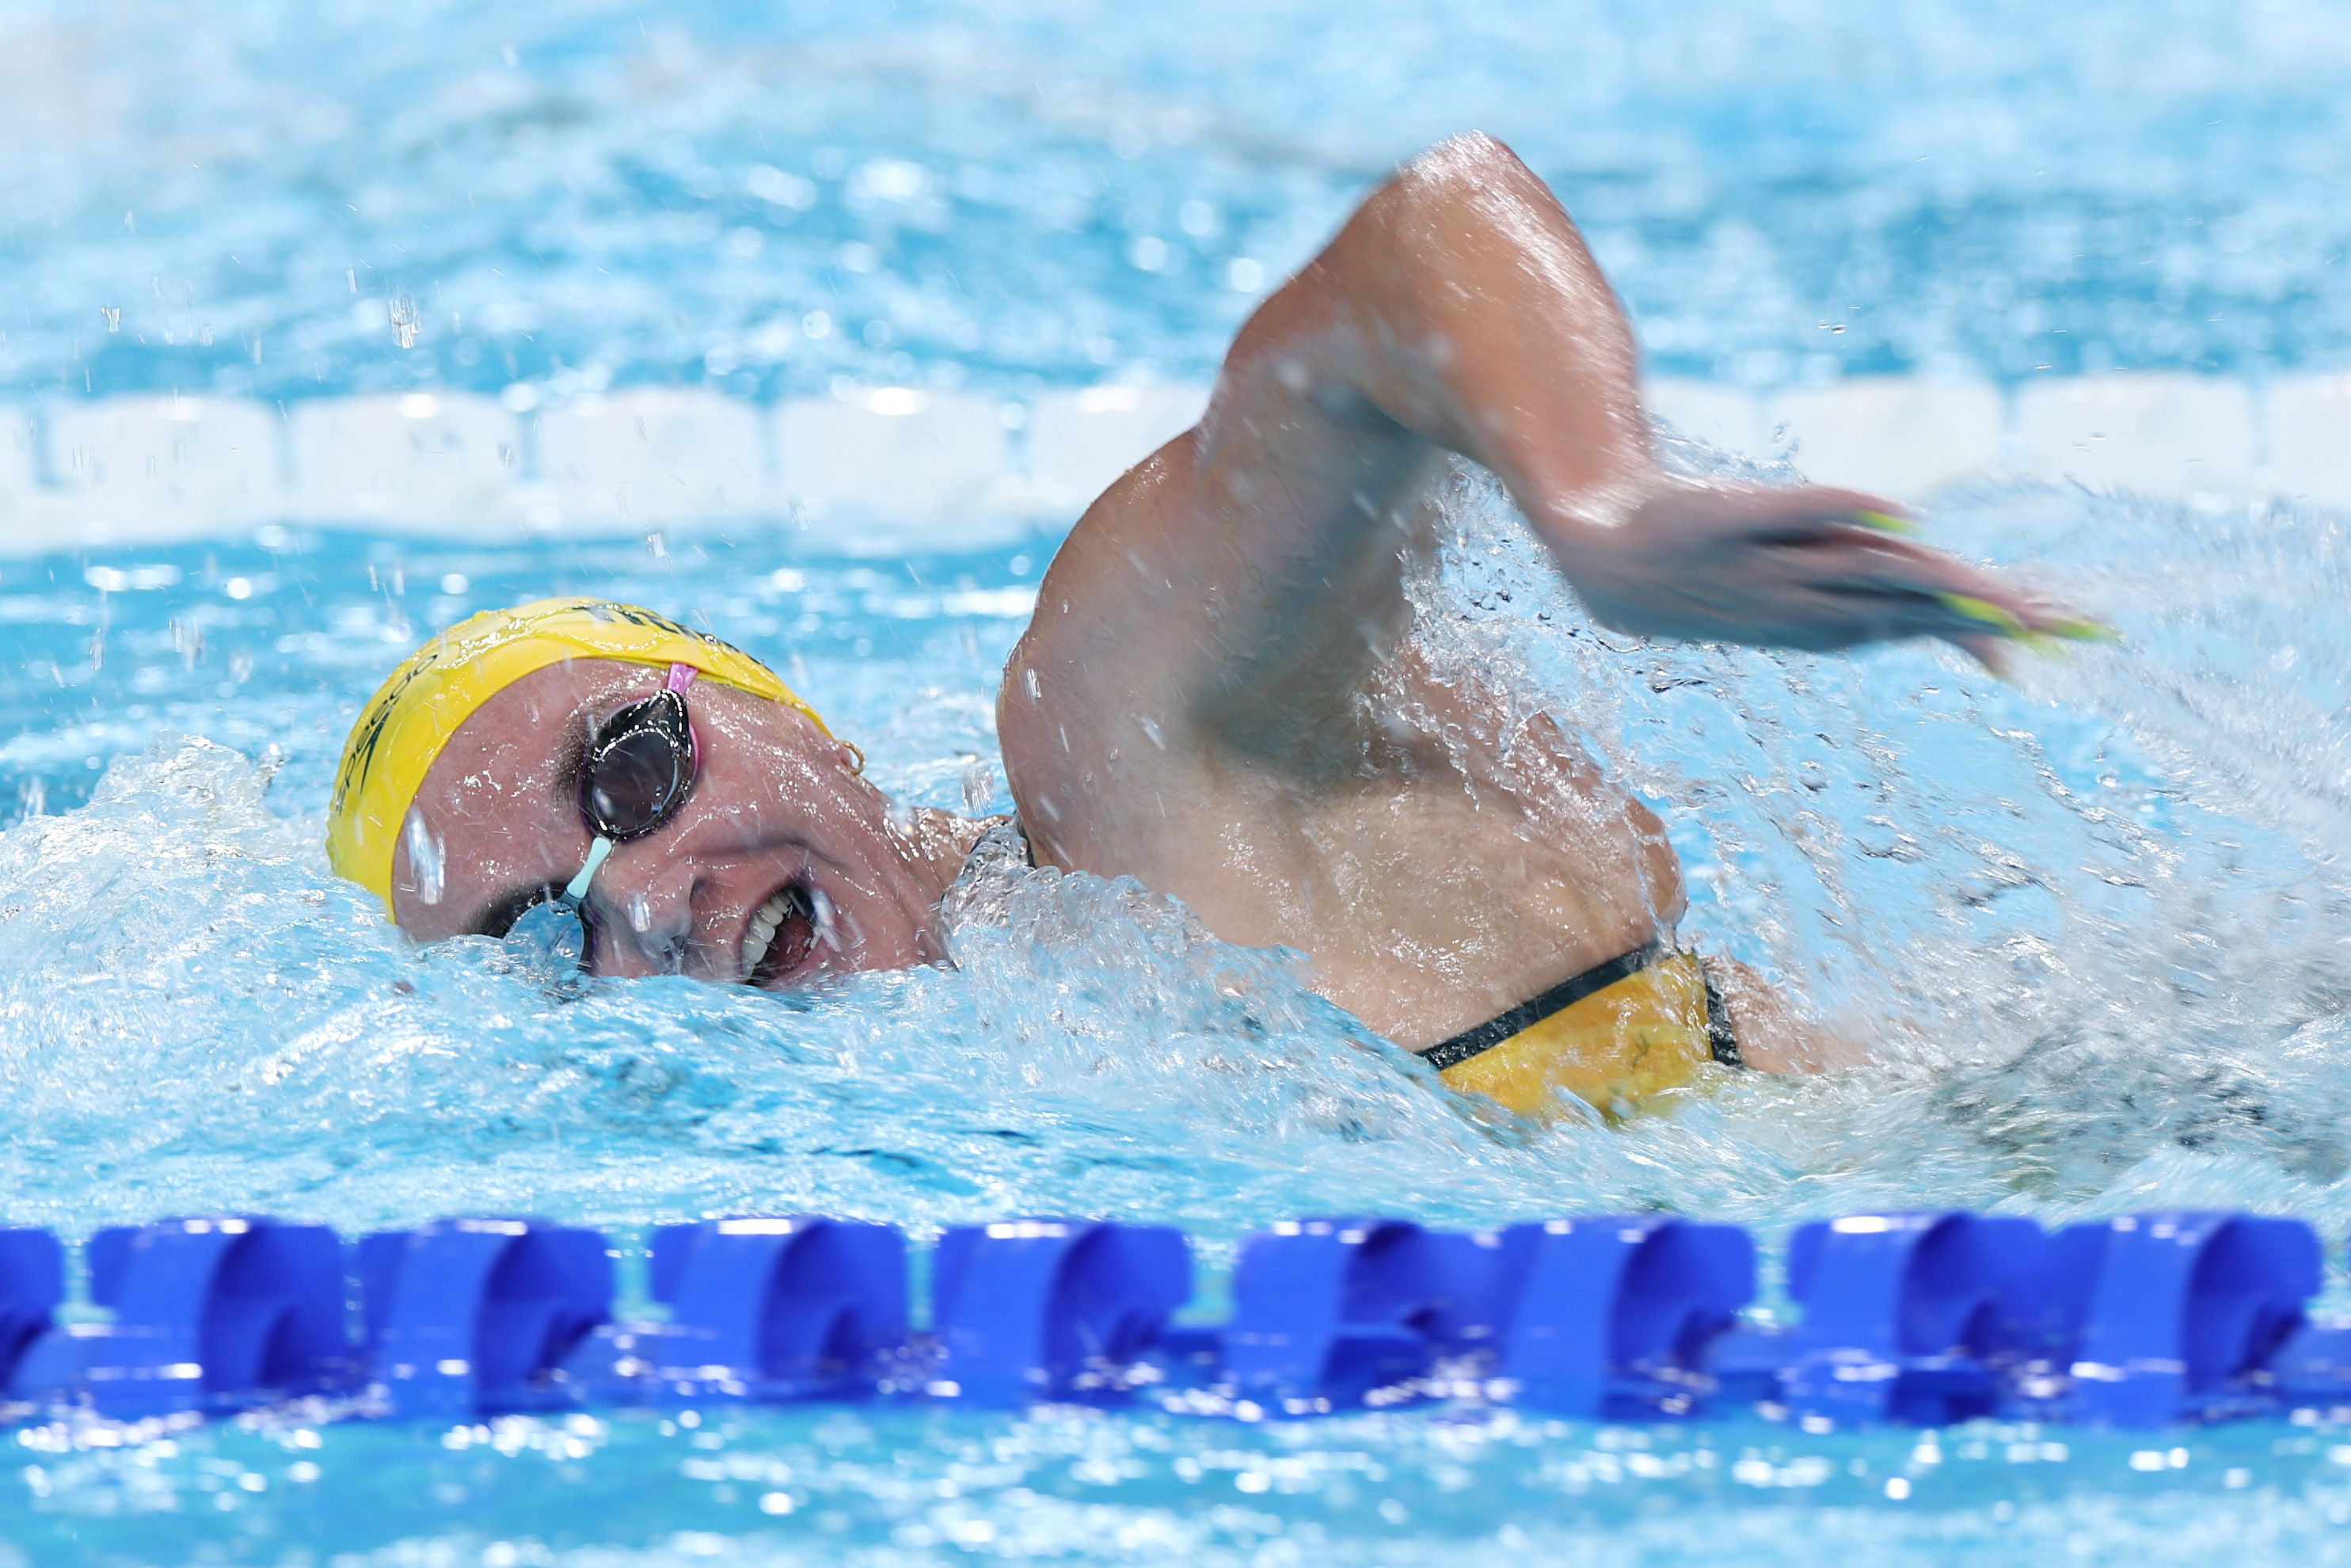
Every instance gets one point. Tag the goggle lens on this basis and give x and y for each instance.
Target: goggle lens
(554, 932)
(639, 768)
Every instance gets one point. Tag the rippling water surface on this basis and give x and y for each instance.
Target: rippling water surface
(766, 195)
(2090, 928)
(2101, 910)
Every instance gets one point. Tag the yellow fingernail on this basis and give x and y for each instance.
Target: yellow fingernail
(1984, 612)
(1886, 522)
(2080, 629)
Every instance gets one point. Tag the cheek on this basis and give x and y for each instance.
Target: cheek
(880, 906)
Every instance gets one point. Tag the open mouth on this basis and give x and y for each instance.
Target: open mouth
(781, 938)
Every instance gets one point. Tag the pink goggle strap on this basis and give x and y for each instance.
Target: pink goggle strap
(682, 676)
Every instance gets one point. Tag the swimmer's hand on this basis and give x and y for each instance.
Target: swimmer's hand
(1803, 568)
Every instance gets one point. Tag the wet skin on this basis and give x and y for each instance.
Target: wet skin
(776, 805)
(1220, 693)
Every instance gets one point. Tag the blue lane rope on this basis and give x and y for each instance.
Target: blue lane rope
(1912, 1318)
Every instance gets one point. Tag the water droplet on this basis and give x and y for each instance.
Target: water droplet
(113, 314)
(188, 642)
(425, 864)
(403, 310)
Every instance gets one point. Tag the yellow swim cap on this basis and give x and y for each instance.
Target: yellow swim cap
(439, 686)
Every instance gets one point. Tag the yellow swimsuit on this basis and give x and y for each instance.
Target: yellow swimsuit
(1613, 1036)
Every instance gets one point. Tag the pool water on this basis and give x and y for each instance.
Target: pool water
(2091, 925)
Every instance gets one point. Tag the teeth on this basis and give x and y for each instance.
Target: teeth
(762, 930)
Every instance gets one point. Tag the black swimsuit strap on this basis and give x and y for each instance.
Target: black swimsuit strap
(1453, 1052)
(1719, 1037)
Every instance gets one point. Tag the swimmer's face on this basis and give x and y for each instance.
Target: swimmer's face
(778, 829)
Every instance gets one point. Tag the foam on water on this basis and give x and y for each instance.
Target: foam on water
(2086, 930)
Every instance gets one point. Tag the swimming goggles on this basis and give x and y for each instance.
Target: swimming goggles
(637, 771)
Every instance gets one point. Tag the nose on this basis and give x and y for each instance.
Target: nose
(643, 904)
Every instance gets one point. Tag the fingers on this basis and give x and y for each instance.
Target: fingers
(1921, 592)
(1821, 569)
(1992, 653)
(1821, 502)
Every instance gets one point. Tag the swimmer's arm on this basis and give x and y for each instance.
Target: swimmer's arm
(1237, 589)
(1776, 1033)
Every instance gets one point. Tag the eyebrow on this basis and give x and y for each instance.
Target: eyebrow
(572, 757)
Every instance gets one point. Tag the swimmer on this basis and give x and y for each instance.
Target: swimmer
(1220, 694)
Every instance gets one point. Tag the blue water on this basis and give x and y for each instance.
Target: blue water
(2105, 905)
(581, 191)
